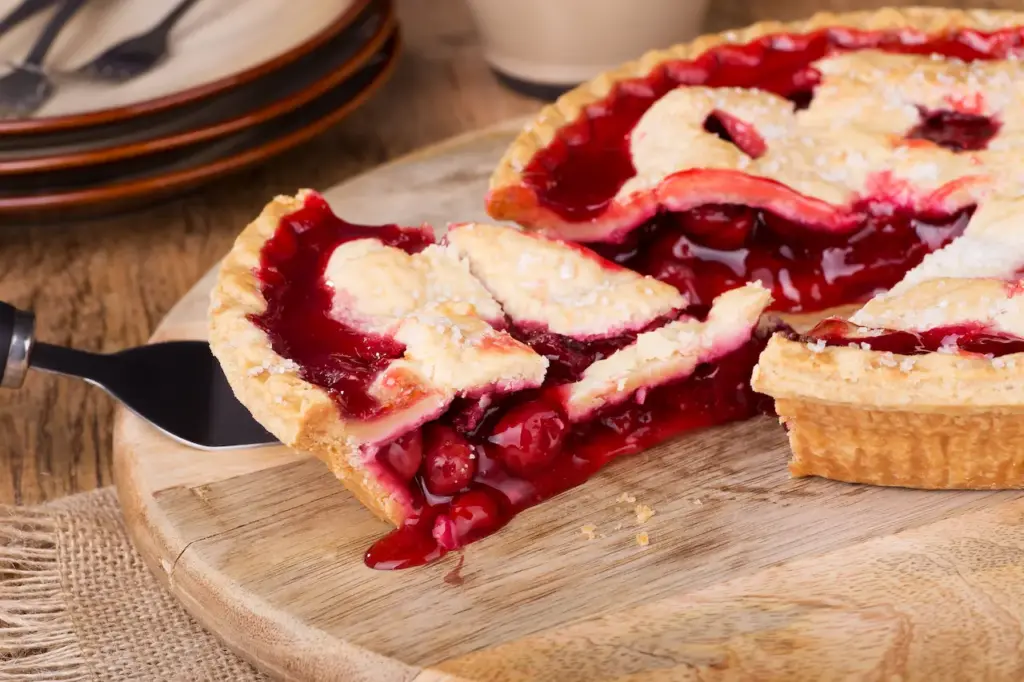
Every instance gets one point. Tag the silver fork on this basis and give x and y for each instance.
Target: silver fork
(138, 54)
(26, 10)
(177, 386)
(27, 87)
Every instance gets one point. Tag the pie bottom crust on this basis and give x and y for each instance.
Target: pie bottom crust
(852, 416)
(976, 450)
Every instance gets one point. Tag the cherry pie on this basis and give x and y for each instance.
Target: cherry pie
(862, 162)
(452, 384)
(862, 158)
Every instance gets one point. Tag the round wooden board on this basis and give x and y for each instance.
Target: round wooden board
(749, 574)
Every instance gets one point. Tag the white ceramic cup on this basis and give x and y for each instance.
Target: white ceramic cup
(560, 43)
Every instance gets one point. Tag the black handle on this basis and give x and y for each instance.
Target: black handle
(168, 22)
(16, 337)
(46, 39)
(25, 10)
(6, 333)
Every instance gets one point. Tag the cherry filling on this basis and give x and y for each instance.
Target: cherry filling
(711, 249)
(525, 451)
(338, 358)
(955, 130)
(580, 171)
(739, 133)
(974, 339)
(568, 356)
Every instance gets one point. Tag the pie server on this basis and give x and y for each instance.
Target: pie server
(177, 386)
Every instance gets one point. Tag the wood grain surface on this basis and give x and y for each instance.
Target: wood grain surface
(105, 284)
(748, 574)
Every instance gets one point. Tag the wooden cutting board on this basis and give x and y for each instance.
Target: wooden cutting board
(749, 574)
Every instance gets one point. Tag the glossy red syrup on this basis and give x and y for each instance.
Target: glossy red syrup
(330, 354)
(578, 174)
(568, 356)
(974, 339)
(711, 249)
(525, 451)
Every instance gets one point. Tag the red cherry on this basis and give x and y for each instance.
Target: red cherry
(282, 246)
(668, 260)
(671, 270)
(786, 230)
(404, 455)
(471, 516)
(793, 233)
(724, 227)
(450, 460)
(529, 436)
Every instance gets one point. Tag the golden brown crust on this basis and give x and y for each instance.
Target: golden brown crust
(298, 413)
(969, 449)
(929, 421)
(929, 383)
(506, 181)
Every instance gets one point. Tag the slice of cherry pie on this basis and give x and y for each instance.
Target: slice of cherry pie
(451, 385)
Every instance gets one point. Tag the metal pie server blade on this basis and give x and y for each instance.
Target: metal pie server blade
(177, 386)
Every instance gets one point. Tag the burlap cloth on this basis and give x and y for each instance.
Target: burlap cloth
(77, 603)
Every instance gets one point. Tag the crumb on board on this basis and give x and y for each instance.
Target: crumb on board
(627, 498)
(643, 513)
(643, 539)
(698, 502)
(589, 530)
(618, 526)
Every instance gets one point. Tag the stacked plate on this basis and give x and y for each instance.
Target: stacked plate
(243, 80)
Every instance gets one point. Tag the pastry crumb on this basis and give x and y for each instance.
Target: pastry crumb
(589, 530)
(626, 497)
(643, 513)
(699, 502)
(618, 526)
(643, 539)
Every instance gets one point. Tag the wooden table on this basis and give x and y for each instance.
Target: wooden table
(106, 284)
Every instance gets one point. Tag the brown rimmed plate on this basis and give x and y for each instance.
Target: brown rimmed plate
(253, 103)
(89, 192)
(218, 45)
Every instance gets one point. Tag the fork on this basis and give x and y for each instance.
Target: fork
(27, 87)
(138, 54)
(26, 10)
(177, 386)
